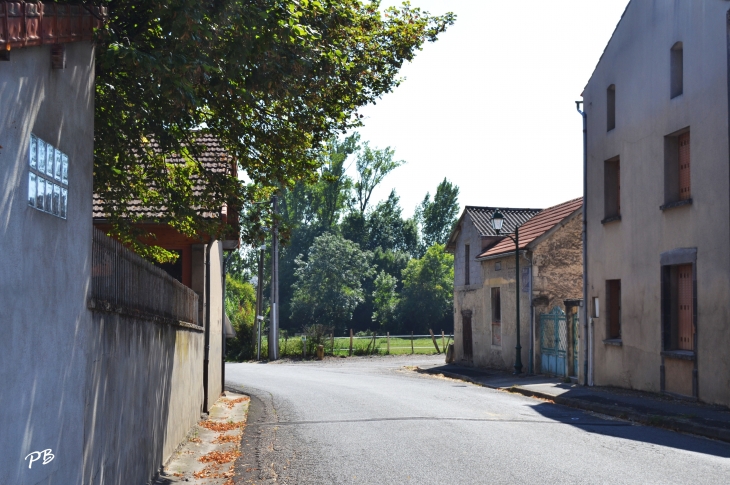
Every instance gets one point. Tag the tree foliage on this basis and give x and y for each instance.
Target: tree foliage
(241, 309)
(273, 80)
(372, 166)
(385, 300)
(428, 291)
(438, 216)
(329, 281)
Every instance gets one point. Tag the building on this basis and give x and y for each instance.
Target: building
(485, 288)
(201, 260)
(658, 202)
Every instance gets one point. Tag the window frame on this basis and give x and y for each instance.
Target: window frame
(49, 169)
(613, 310)
(673, 196)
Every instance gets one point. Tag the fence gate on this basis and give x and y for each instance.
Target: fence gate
(554, 342)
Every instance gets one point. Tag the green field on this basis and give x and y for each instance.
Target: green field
(292, 347)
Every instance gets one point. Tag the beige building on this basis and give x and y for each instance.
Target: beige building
(485, 310)
(658, 202)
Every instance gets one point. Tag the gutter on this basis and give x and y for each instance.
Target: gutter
(500, 255)
(587, 331)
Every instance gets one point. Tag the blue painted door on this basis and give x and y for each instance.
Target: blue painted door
(553, 342)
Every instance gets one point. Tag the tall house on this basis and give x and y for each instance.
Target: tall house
(658, 202)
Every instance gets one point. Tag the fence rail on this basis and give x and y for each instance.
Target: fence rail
(123, 282)
(365, 345)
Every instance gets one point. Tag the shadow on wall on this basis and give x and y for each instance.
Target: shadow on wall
(144, 393)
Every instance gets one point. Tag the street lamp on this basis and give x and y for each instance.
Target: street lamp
(497, 221)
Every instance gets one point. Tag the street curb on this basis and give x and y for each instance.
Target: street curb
(656, 421)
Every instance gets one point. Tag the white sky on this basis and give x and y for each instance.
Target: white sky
(491, 104)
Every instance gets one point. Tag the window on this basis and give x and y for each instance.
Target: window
(466, 337)
(676, 72)
(496, 317)
(47, 178)
(498, 266)
(611, 107)
(677, 167)
(613, 305)
(678, 295)
(466, 264)
(612, 189)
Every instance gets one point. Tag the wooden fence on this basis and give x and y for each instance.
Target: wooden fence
(123, 282)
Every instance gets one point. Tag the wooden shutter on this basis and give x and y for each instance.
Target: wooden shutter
(614, 308)
(685, 333)
(466, 265)
(684, 180)
(618, 187)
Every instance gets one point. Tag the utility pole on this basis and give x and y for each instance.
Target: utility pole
(274, 324)
(260, 300)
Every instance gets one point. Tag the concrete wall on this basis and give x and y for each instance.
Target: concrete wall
(142, 397)
(45, 266)
(215, 386)
(637, 61)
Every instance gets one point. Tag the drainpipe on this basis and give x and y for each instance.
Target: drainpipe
(223, 320)
(586, 328)
(206, 356)
(531, 360)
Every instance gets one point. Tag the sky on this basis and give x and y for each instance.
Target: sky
(491, 105)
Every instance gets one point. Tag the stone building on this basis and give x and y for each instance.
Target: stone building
(485, 286)
(658, 202)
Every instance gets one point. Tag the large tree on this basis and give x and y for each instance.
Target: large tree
(271, 79)
(329, 281)
(438, 216)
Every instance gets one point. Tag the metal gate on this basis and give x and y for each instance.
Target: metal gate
(554, 342)
(575, 328)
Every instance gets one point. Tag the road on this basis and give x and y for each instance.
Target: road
(374, 421)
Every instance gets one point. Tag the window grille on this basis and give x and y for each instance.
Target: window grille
(47, 178)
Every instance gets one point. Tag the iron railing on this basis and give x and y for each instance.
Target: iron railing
(123, 282)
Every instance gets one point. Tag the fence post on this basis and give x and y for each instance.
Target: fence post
(433, 339)
(412, 343)
(443, 341)
(388, 336)
(350, 342)
(374, 344)
(332, 338)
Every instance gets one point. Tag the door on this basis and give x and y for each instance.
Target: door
(553, 342)
(466, 335)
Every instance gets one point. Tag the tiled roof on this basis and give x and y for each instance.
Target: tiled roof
(482, 218)
(25, 24)
(214, 159)
(535, 227)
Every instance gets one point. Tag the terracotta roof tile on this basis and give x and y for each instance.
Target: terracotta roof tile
(214, 159)
(535, 227)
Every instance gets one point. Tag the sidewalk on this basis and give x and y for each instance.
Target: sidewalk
(208, 456)
(641, 407)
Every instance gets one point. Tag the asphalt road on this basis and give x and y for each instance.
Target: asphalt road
(373, 421)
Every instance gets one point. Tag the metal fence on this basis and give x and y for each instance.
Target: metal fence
(123, 282)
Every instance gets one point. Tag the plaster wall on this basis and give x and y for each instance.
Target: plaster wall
(215, 386)
(637, 61)
(467, 297)
(45, 266)
(143, 395)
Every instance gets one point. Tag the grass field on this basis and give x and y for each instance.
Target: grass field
(292, 347)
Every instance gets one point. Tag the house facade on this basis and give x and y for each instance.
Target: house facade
(658, 202)
(549, 286)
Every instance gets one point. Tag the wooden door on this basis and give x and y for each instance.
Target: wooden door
(466, 336)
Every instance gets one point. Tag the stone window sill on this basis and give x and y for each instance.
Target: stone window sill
(679, 354)
(613, 341)
(675, 204)
(611, 219)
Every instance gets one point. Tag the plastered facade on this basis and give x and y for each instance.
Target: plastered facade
(637, 62)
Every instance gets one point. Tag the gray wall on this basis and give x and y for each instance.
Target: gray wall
(44, 263)
(215, 387)
(143, 395)
(637, 61)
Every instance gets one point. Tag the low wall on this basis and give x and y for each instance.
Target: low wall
(143, 394)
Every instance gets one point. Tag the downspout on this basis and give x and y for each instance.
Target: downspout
(586, 329)
(531, 360)
(223, 322)
(206, 356)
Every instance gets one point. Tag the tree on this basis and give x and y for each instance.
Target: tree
(428, 291)
(372, 167)
(388, 230)
(329, 282)
(271, 79)
(240, 308)
(385, 300)
(438, 217)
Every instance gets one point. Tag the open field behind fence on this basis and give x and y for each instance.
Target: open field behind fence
(363, 345)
